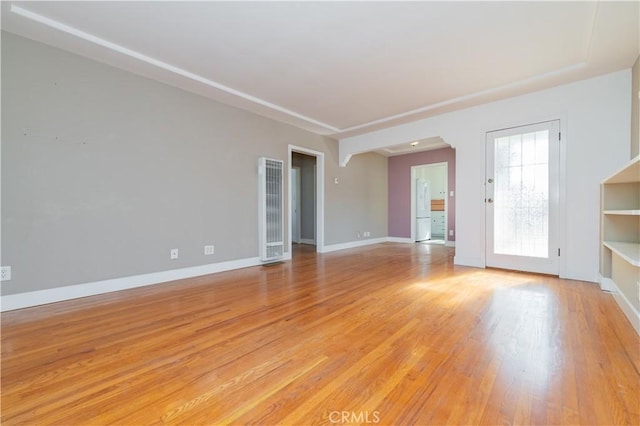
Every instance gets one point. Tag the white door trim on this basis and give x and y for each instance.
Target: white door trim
(563, 118)
(554, 264)
(297, 216)
(319, 193)
(446, 199)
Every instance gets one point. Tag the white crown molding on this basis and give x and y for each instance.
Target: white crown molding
(316, 124)
(471, 96)
(52, 23)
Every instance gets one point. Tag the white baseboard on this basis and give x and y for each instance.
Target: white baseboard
(308, 241)
(42, 297)
(606, 284)
(361, 243)
(353, 244)
(474, 262)
(627, 308)
(400, 240)
(410, 241)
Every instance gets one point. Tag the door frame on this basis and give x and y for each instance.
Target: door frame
(298, 181)
(561, 117)
(319, 176)
(412, 214)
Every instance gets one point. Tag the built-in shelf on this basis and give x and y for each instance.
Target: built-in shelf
(630, 173)
(623, 212)
(620, 236)
(628, 251)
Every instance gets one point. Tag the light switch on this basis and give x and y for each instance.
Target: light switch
(450, 193)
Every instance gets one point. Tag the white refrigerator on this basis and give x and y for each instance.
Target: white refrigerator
(423, 210)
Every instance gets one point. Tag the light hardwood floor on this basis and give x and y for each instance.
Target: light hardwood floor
(387, 334)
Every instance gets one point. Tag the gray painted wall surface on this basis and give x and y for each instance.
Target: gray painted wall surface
(103, 172)
(361, 193)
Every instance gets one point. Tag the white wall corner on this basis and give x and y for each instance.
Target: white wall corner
(474, 262)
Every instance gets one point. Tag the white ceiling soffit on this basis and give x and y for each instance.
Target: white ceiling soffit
(344, 68)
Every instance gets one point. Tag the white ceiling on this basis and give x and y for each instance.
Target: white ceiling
(344, 68)
(414, 146)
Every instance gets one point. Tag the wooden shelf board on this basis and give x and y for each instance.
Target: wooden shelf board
(630, 173)
(623, 212)
(628, 251)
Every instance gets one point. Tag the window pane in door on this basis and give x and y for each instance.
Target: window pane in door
(521, 196)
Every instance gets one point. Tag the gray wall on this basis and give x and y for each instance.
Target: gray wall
(103, 172)
(359, 198)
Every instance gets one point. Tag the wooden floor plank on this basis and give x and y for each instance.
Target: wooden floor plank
(387, 334)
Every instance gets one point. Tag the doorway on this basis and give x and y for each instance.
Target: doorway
(429, 203)
(303, 203)
(522, 198)
(306, 198)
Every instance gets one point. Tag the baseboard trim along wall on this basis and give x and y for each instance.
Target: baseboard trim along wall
(410, 241)
(42, 297)
(59, 294)
(606, 284)
(353, 244)
(627, 308)
(400, 240)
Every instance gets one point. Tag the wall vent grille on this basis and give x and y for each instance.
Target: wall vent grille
(271, 209)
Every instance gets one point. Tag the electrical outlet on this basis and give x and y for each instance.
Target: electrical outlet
(367, 233)
(209, 250)
(173, 254)
(451, 232)
(6, 273)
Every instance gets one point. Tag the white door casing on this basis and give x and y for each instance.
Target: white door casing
(319, 193)
(295, 204)
(522, 198)
(416, 171)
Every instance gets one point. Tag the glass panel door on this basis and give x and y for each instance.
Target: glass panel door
(522, 198)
